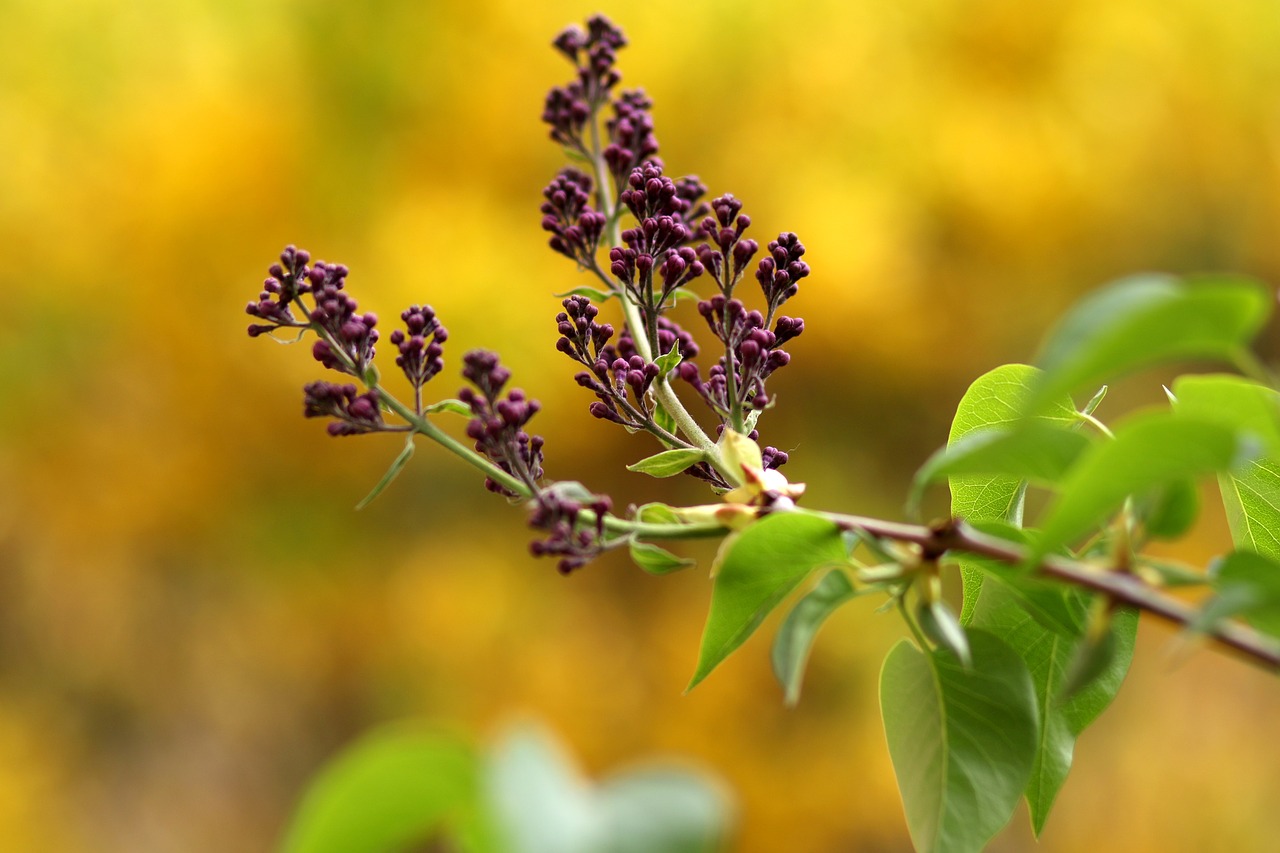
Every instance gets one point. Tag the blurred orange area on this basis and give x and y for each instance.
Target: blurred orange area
(192, 617)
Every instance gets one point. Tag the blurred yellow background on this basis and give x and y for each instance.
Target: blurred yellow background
(191, 615)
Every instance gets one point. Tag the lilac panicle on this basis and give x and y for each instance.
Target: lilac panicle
(780, 272)
(724, 228)
(755, 354)
(575, 226)
(335, 315)
(559, 515)
(630, 132)
(288, 281)
(569, 108)
(421, 345)
(497, 425)
(354, 413)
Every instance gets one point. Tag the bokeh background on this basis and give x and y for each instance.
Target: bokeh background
(192, 616)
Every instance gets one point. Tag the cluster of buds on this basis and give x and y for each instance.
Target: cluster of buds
(353, 413)
(630, 132)
(752, 354)
(725, 229)
(593, 52)
(559, 512)
(575, 226)
(659, 240)
(780, 273)
(346, 337)
(616, 373)
(287, 282)
(497, 423)
(421, 347)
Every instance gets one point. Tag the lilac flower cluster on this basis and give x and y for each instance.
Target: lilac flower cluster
(288, 281)
(675, 239)
(617, 374)
(345, 339)
(354, 413)
(560, 514)
(497, 425)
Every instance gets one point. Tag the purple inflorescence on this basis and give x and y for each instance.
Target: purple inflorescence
(559, 515)
(724, 229)
(566, 213)
(354, 413)
(288, 281)
(631, 139)
(781, 271)
(336, 317)
(569, 108)
(497, 425)
(755, 352)
(421, 345)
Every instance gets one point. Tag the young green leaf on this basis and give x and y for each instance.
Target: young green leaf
(393, 788)
(1145, 320)
(397, 465)
(657, 513)
(664, 419)
(995, 399)
(655, 560)
(1168, 511)
(939, 624)
(668, 463)
(763, 564)
(590, 292)
(1250, 494)
(456, 407)
(795, 638)
(670, 360)
(962, 740)
(1150, 451)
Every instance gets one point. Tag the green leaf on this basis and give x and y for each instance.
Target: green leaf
(394, 787)
(795, 638)
(1247, 585)
(962, 740)
(1169, 511)
(761, 566)
(543, 804)
(668, 463)
(1045, 622)
(939, 624)
(456, 407)
(1036, 451)
(657, 810)
(657, 513)
(664, 419)
(1250, 494)
(590, 292)
(1145, 320)
(397, 465)
(995, 399)
(657, 561)
(1150, 451)
(670, 361)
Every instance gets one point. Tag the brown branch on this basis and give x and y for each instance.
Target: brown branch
(1122, 587)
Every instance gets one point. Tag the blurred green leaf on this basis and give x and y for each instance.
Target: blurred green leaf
(1150, 451)
(765, 562)
(795, 638)
(1037, 451)
(657, 561)
(542, 804)
(1168, 511)
(1251, 493)
(962, 740)
(668, 463)
(997, 398)
(1145, 320)
(1246, 585)
(939, 624)
(397, 465)
(394, 787)
(664, 419)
